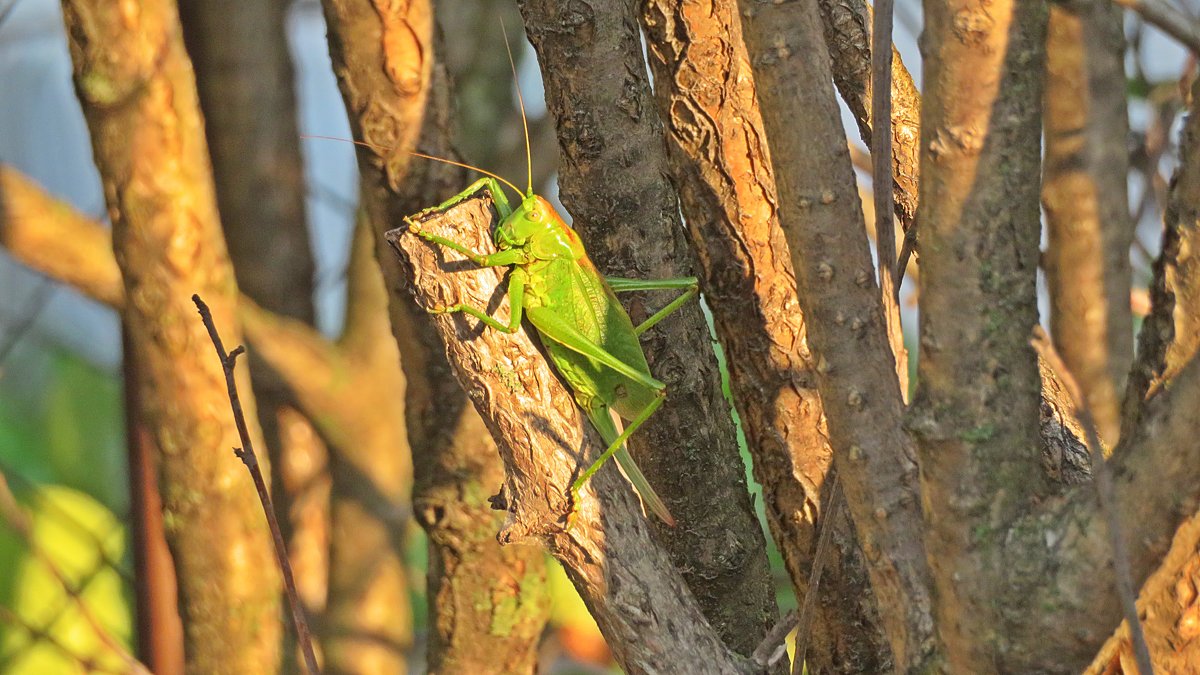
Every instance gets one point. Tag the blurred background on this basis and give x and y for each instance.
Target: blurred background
(63, 454)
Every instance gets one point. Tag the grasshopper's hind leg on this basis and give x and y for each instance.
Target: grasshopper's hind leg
(602, 419)
(689, 285)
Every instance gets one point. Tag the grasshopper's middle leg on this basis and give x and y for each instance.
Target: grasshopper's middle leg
(516, 305)
(689, 285)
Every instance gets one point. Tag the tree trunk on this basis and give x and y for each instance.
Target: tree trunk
(650, 618)
(245, 81)
(139, 99)
(977, 401)
(390, 93)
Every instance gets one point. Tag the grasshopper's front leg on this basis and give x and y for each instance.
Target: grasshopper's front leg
(498, 198)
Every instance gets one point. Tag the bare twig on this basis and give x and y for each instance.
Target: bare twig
(246, 454)
(774, 645)
(1167, 19)
(1102, 479)
(832, 511)
(15, 517)
(881, 144)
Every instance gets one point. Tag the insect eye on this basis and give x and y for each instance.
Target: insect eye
(536, 215)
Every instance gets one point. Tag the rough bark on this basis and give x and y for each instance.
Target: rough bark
(136, 86)
(1170, 336)
(456, 465)
(1086, 202)
(354, 390)
(613, 180)
(821, 216)
(652, 621)
(1059, 554)
(721, 165)
(977, 401)
(847, 26)
(385, 63)
(245, 81)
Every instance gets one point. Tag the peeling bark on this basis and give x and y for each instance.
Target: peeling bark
(394, 94)
(1087, 206)
(720, 162)
(821, 215)
(651, 620)
(139, 99)
(613, 180)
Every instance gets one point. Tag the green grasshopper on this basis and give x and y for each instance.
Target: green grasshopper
(588, 335)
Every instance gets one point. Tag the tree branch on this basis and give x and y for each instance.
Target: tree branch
(727, 192)
(396, 93)
(650, 617)
(1102, 479)
(820, 215)
(847, 30)
(1085, 197)
(354, 391)
(49, 235)
(1072, 528)
(1170, 336)
(1167, 19)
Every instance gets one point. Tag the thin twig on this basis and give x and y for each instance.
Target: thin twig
(246, 454)
(832, 511)
(1102, 479)
(1167, 19)
(774, 644)
(16, 518)
(906, 251)
(881, 145)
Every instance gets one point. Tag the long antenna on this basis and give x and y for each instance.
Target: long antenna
(443, 160)
(520, 99)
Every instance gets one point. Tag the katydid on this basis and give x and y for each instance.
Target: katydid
(589, 337)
